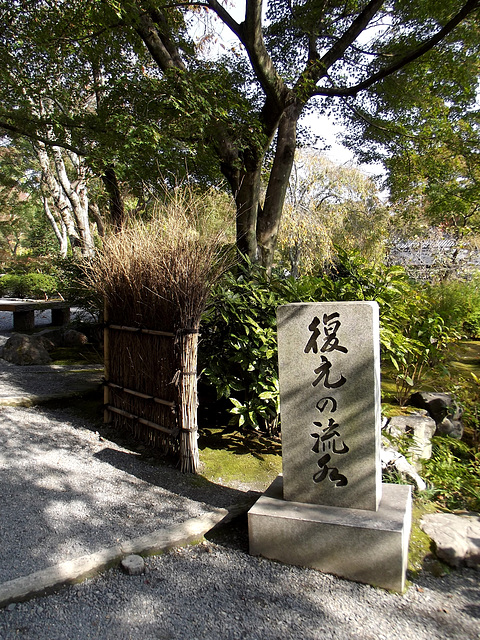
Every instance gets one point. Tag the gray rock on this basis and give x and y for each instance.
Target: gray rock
(133, 565)
(393, 459)
(443, 409)
(54, 336)
(453, 428)
(456, 537)
(420, 428)
(63, 337)
(72, 338)
(25, 350)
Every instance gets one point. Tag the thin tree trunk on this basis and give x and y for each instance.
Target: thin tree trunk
(77, 196)
(247, 200)
(269, 217)
(55, 190)
(97, 216)
(117, 209)
(60, 232)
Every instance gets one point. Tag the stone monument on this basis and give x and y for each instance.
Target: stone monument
(329, 509)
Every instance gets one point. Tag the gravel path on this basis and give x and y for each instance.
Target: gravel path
(67, 490)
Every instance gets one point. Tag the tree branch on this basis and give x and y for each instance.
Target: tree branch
(160, 47)
(350, 35)
(469, 7)
(225, 17)
(317, 68)
(35, 136)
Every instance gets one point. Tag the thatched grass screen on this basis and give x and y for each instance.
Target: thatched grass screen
(155, 279)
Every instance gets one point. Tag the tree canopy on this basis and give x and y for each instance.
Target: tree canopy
(127, 85)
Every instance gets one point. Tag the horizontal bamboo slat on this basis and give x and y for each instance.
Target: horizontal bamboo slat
(152, 332)
(145, 396)
(148, 423)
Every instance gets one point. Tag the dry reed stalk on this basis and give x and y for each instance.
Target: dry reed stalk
(158, 277)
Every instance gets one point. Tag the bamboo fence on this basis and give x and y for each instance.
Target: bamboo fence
(155, 281)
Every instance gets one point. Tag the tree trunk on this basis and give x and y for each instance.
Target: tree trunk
(269, 217)
(56, 192)
(77, 195)
(60, 231)
(117, 210)
(247, 200)
(94, 211)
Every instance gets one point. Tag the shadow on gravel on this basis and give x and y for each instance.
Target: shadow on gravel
(187, 485)
(65, 491)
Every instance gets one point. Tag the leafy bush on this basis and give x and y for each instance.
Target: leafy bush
(30, 285)
(458, 303)
(238, 351)
(412, 334)
(454, 473)
(238, 348)
(74, 285)
(23, 264)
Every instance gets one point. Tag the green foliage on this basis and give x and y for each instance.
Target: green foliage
(111, 96)
(458, 303)
(412, 334)
(30, 285)
(27, 263)
(40, 240)
(454, 473)
(329, 204)
(74, 287)
(238, 348)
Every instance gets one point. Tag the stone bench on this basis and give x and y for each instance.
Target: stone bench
(24, 312)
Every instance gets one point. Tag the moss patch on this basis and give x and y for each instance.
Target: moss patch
(465, 352)
(85, 354)
(421, 551)
(235, 459)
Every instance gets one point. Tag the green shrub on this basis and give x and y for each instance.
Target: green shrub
(412, 334)
(458, 303)
(454, 473)
(74, 287)
(30, 285)
(238, 348)
(23, 264)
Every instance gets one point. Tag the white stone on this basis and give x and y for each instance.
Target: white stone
(356, 544)
(327, 511)
(133, 565)
(456, 537)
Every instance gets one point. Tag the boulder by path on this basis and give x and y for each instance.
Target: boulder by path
(456, 537)
(443, 409)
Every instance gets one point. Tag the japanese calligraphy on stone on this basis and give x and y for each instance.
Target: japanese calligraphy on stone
(328, 441)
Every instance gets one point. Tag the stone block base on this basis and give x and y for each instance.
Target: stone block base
(364, 546)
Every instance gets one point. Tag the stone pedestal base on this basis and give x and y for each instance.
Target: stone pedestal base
(360, 545)
(60, 316)
(23, 321)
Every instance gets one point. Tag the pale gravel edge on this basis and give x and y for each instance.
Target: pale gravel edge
(66, 573)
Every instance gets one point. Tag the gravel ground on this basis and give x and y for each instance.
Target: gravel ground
(42, 380)
(67, 489)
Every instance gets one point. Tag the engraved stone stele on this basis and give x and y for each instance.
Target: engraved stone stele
(327, 512)
(329, 368)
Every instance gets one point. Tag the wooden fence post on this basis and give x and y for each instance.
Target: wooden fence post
(107, 416)
(188, 400)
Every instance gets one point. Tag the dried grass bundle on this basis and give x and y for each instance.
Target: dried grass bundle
(157, 275)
